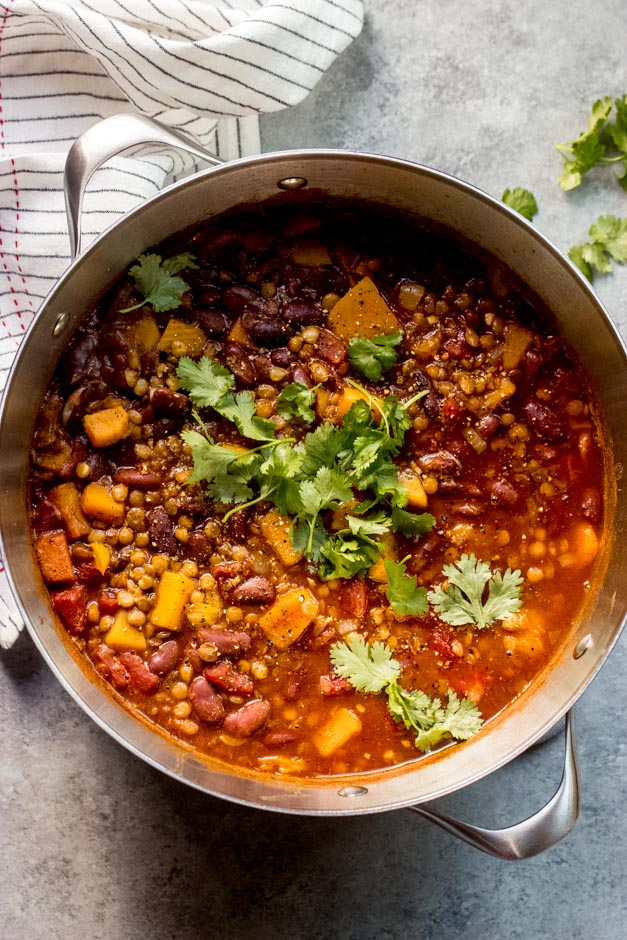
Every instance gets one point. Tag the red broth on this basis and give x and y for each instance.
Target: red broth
(219, 630)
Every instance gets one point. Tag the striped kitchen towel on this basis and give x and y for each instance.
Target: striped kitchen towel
(207, 69)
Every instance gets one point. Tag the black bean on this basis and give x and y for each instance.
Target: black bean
(302, 313)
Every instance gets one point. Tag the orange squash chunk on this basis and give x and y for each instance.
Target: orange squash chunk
(362, 311)
(54, 557)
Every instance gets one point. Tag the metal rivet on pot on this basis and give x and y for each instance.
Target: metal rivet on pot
(292, 182)
(583, 645)
(352, 791)
(60, 325)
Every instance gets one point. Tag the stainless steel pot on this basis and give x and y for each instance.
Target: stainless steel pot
(431, 195)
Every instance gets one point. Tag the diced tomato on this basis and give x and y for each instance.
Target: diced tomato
(110, 666)
(71, 606)
(225, 677)
(354, 598)
(141, 678)
(330, 348)
(441, 642)
(452, 411)
(470, 683)
(334, 685)
(108, 602)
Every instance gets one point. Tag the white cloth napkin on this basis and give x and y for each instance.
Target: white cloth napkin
(208, 69)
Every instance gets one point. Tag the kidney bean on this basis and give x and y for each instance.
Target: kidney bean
(238, 360)
(546, 423)
(299, 374)
(280, 738)
(74, 361)
(302, 313)
(225, 677)
(487, 426)
(249, 718)
(149, 361)
(503, 493)
(466, 508)
(166, 402)
(47, 517)
(330, 348)
(140, 676)
(199, 547)
(237, 298)
(110, 666)
(256, 590)
(212, 322)
(268, 332)
(160, 531)
(281, 357)
(206, 701)
(137, 479)
(237, 526)
(227, 642)
(71, 606)
(87, 573)
(76, 406)
(208, 295)
(441, 461)
(165, 658)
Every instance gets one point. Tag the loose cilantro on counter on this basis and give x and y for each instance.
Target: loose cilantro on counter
(608, 240)
(522, 201)
(462, 602)
(371, 668)
(156, 280)
(373, 357)
(603, 143)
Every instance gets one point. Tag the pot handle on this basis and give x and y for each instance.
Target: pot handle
(534, 834)
(104, 140)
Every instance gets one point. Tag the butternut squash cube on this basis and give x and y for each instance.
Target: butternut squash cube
(66, 498)
(190, 340)
(377, 571)
(145, 334)
(102, 556)
(517, 342)
(310, 252)
(349, 396)
(416, 495)
(288, 618)
(173, 593)
(107, 426)
(362, 311)
(339, 728)
(53, 555)
(98, 503)
(239, 334)
(276, 531)
(124, 636)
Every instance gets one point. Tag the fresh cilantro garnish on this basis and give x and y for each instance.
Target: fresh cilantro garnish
(295, 401)
(348, 553)
(603, 143)
(211, 385)
(411, 524)
(328, 490)
(462, 600)
(373, 357)
(403, 593)
(371, 668)
(609, 240)
(522, 201)
(156, 280)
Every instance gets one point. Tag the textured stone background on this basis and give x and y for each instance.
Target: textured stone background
(94, 844)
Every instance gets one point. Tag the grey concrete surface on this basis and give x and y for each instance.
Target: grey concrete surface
(98, 846)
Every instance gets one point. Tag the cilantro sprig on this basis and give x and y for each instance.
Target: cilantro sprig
(326, 471)
(371, 668)
(522, 200)
(373, 357)
(403, 593)
(462, 600)
(156, 280)
(608, 241)
(603, 143)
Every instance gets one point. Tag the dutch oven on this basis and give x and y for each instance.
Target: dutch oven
(429, 195)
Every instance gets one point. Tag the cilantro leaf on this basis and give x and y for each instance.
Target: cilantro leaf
(328, 490)
(411, 524)
(156, 280)
(587, 150)
(461, 601)
(206, 381)
(209, 459)
(347, 554)
(296, 400)
(522, 201)
(373, 357)
(322, 448)
(609, 240)
(403, 593)
(240, 409)
(229, 488)
(376, 524)
(369, 667)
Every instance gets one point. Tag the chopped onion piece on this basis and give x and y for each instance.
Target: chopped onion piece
(475, 440)
(346, 626)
